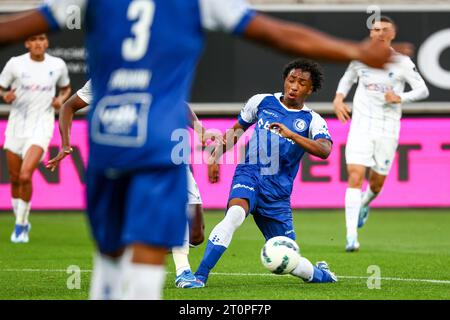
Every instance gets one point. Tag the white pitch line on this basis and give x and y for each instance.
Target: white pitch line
(247, 275)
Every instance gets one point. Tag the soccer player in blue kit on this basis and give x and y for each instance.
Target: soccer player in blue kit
(262, 185)
(142, 55)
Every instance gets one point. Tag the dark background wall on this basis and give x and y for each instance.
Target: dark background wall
(232, 70)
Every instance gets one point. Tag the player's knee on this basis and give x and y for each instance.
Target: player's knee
(14, 178)
(376, 188)
(25, 177)
(235, 215)
(355, 179)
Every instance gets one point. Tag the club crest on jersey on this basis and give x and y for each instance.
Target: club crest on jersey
(300, 125)
(121, 120)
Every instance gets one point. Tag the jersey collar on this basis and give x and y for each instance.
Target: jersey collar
(278, 95)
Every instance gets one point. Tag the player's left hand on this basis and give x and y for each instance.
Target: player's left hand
(282, 129)
(53, 163)
(57, 103)
(391, 97)
(209, 135)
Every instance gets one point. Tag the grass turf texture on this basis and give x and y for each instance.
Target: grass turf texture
(404, 244)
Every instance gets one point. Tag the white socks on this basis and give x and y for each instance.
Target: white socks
(368, 196)
(23, 211)
(114, 279)
(15, 205)
(304, 270)
(352, 207)
(180, 254)
(105, 282)
(141, 281)
(223, 232)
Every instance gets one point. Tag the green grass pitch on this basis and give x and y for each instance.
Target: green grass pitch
(411, 248)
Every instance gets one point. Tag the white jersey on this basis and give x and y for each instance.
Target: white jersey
(370, 111)
(35, 83)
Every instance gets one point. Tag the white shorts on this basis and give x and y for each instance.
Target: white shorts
(20, 146)
(375, 152)
(193, 192)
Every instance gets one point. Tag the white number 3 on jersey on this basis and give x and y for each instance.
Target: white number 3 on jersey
(134, 49)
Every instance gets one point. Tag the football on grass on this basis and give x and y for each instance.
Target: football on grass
(280, 255)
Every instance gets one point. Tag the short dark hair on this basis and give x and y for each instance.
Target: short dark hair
(309, 66)
(389, 20)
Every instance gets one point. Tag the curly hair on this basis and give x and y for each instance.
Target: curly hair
(309, 66)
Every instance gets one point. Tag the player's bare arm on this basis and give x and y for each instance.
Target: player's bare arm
(66, 113)
(230, 137)
(341, 109)
(63, 95)
(302, 40)
(203, 134)
(20, 26)
(8, 96)
(320, 148)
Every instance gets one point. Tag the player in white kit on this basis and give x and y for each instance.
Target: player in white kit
(195, 234)
(29, 83)
(375, 127)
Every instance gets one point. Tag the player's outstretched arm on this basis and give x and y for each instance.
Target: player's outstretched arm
(304, 41)
(320, 148)
(66, 113)
(17, 27)
(203, 134)
(230, 138)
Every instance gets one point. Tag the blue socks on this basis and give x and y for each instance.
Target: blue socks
(210, 259)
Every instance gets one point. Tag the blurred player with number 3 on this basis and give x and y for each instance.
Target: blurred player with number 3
(142, 55)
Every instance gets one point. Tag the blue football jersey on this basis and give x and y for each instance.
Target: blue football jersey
(278, 158)
(142, 55)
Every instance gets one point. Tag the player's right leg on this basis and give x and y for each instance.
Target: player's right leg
(14, 162)
(31, 160)
(353, 204)
(221, 235)
(194, 235)
(242, 200)
(359, 155)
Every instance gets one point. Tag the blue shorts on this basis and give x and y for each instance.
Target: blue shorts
(272, 215)
(147, 207)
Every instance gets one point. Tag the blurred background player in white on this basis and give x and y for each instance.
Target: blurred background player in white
(375, 127)
(194, 231)
(120, 221)
(29, 83)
